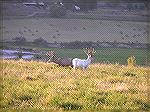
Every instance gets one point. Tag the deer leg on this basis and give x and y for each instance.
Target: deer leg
(71, 66)
(84, 68)
(74, 67)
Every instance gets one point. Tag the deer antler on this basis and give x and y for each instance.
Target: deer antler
(93, 51)
(50, 53)
(89, 51)
(85, 50)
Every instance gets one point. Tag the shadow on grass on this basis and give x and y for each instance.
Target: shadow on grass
(70, 106)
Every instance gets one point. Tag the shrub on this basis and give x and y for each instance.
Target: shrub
(19, 40)
(40, 41)
(57, 10)
(131, 61)
(129, 74)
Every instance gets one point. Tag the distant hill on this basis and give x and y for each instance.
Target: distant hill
(66, 30)
(35, 23)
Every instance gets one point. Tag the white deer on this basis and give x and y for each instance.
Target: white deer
(84, 63)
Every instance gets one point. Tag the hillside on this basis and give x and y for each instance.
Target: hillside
(37, 85)
(66, 30)
(106, 23)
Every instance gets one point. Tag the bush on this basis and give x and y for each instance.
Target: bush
(40, 41)
(57, 10)
(131, 61)
(19, 40)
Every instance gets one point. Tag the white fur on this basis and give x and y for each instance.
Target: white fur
(84, 63)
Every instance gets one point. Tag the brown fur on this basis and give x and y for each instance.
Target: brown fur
(62, 61)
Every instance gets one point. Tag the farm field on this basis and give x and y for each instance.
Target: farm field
(67, 30)
(35, 86)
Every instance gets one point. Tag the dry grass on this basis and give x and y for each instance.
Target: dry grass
(38, 85)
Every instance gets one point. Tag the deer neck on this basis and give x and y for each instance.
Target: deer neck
(54, 59)
(89, 59)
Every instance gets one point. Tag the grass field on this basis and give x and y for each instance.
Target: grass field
(108, 55)
(66, 30)
(36, 86)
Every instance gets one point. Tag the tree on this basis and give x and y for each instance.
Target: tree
(14, 0)
(146, 2)
(57, 10)
(19, 40)
(86, 5)
(40, 41)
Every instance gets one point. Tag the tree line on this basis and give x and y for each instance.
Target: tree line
(78, 44)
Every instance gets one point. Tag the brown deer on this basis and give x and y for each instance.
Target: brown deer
(62, 61)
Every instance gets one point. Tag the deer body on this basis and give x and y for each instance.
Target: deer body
(76, 62)
(63, 61)
(83, 63)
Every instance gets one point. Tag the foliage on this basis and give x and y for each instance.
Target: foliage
(45, 86)
(77, 44)
(57, 10)
(131, 61)
(40, 41)
(19, 40)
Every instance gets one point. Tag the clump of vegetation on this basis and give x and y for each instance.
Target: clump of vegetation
(46, 86)
(57, 10)
(131, 61)
(129, 74)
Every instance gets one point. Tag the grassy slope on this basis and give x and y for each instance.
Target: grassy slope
(64, 30)
(37, 85)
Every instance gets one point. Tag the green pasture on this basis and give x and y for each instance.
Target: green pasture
(102, 55)
(109, 55)
(106, 55)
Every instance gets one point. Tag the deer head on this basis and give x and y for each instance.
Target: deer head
(89, 51)
(51, 55)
